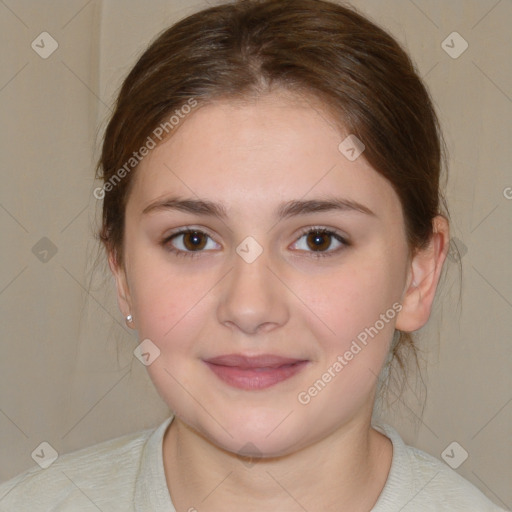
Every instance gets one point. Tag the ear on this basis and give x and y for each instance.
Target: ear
(422, 279)
(123, 291)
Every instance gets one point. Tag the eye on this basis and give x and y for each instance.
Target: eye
(321, 241)
(189, 241)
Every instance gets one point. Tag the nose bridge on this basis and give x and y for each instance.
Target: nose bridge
(251, 295)
(250, 273)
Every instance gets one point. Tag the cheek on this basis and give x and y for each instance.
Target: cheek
(355, 305)
(352, 298)
(170, 308)
(164, 297)
(358, 305)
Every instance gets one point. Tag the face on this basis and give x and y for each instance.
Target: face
(250, 235)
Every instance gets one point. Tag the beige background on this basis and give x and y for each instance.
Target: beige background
(67, 373)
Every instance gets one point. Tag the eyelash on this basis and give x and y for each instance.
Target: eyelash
(314, 254)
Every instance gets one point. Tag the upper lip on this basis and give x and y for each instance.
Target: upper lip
(247, 362)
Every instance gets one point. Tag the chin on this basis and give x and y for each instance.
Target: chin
(257, 434)
(254, 445)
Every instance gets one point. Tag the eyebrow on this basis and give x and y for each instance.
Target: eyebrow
(286, 210)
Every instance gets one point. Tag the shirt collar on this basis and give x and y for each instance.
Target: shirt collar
(151, 491)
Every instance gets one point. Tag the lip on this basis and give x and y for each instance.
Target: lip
(254, 372)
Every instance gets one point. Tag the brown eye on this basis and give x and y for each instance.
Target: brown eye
(190, 242)
(319, 241)
(194, 240)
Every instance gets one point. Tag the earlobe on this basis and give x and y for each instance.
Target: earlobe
(423, 277)
(123, 292)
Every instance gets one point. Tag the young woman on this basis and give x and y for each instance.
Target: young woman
(273, 219)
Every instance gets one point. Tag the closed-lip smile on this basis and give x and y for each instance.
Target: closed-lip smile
(254, 372)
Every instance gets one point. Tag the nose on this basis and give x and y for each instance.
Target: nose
(252, 298)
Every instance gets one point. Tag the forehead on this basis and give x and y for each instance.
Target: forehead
(279, 147)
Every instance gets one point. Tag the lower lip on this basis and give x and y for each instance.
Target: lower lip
(254, 379)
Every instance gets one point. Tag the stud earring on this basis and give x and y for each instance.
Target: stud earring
(129, 319)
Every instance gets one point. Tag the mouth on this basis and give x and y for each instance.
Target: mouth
(254, 372)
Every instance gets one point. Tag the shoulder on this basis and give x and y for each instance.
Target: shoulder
(437, 483)
(419, 482)
(99, 477)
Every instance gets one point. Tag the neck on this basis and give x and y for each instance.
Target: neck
(346, 469)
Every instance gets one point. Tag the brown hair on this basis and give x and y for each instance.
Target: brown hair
(315, 47)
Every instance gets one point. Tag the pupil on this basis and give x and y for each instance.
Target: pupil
(319, 240)
(194, 240)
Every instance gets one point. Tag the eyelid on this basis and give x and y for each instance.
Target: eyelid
(340, 237)
(324, 229)
(187, 229)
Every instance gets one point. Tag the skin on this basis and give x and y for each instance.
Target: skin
(252, 157)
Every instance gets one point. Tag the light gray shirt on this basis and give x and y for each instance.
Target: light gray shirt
(127, 474)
